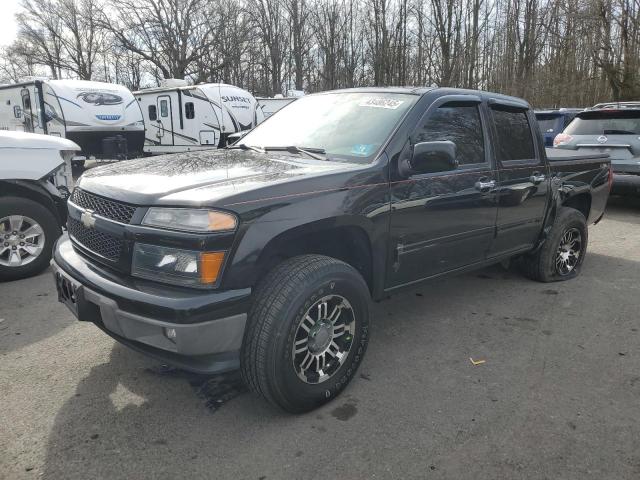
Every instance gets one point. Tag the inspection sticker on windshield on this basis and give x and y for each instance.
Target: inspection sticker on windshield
(381, 102)
(362, 150)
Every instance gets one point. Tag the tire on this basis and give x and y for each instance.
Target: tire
(543, 264)
(295, 290)
(31, 212)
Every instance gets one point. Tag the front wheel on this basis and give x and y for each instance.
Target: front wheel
(307, 332)
(28, 231)
(561, 255)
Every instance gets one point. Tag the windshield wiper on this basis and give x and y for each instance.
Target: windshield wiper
(244, 146)
(295, 149)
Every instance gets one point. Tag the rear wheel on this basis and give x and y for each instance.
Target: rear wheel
(27, 233)
(307, 332)
(561, 255)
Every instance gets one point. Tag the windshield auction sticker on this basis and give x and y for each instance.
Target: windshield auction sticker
(381, 102)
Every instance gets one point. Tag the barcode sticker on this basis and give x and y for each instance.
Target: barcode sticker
(381, 102)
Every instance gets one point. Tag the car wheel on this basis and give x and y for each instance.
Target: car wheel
(562, 254)
(307, 332)
(28, 231)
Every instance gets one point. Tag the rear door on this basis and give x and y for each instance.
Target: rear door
(165, 120)
(444, 221)
(523, 181)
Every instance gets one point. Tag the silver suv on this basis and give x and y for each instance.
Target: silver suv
(612, 128)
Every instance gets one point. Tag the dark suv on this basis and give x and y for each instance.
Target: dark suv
(553, 122)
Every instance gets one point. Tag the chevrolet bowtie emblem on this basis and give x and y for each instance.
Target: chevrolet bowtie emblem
(88, 220)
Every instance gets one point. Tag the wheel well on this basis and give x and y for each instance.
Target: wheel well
(32, 191)
(580, 202)
(347, 243)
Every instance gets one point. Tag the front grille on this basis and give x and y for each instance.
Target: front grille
(102, 243)
(118, 211)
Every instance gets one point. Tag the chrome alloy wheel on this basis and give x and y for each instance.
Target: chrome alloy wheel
(21, 240)
(569, 251)
(323, 339)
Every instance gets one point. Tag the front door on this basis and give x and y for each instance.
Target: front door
(523, 184)
(441, 222)
(164, 120)
(27, 110)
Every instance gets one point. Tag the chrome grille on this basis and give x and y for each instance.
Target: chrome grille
(118, 211)
(102, 243)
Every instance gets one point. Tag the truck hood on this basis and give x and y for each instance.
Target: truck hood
(201, 178)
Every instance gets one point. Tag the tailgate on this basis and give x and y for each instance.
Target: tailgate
(575, 156)
(615, 152)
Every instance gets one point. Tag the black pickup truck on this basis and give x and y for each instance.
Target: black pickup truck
(264, 256)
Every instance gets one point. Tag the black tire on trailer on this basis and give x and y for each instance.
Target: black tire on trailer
(307, 332)
(562, 254)
(28, 231)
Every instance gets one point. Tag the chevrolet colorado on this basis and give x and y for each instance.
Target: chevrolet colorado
(264, 256)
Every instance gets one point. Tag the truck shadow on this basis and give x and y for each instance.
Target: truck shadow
(31, 312)
(131, 418)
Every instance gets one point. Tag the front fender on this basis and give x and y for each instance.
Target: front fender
(281, 224)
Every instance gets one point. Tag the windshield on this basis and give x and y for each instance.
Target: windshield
(605, 123)
(548, 123)
(345, 126)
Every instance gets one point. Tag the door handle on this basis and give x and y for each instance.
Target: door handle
(537, 178)
(484, 184)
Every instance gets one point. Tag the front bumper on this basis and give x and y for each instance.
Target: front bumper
(194, 330)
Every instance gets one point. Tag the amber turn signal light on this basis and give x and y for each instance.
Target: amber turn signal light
(219, 221)
(210, 266)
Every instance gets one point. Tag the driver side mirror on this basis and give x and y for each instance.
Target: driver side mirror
(433, 157)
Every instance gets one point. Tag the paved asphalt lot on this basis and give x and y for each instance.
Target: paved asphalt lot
(558, 396)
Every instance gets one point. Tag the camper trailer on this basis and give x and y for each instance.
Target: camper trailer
(181, 118)
(270, 106)
(102, 118)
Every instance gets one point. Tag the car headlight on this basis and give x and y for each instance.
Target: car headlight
(179, 267)
(190, 219)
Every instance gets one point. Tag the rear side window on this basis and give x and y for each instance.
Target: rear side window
(459, 123)
(548, 123)
(189, 110)
(153, 113)
(605, 123)
(515, 141)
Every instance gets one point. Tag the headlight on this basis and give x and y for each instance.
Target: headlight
(179, 267)
(188, 219)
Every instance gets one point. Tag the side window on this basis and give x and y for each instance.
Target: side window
(515, 141)
(164, 108)
(459, 123)
(153, 113)
(189, 110)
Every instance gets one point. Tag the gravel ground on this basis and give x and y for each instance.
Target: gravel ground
(557, 396)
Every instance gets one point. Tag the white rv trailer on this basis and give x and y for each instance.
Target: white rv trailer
(272, 105)
(102, 118)
(181, 118)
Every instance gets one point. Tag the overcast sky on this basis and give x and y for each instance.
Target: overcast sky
(8, 21)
